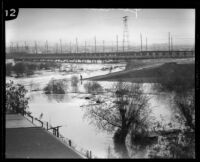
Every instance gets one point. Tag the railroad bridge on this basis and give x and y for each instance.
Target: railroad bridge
(94, 57)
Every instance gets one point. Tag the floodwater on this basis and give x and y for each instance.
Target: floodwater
(68, 110)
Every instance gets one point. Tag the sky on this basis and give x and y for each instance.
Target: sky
(104, 24)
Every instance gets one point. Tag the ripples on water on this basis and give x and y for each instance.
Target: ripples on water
(64, 109)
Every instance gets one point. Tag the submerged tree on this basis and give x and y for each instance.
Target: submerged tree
(74, 83)
(93, 87)
(56, 87)
(16, 100)
(127, 110)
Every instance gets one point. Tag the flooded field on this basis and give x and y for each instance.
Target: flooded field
(67, 110)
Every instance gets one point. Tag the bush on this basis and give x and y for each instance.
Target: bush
(47, 66)
(55, 87)
(74, 83)
(9, 69)
(93, 87)
(32, 67)
(15, 98)
(19, 68)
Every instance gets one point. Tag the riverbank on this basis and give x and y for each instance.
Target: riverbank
(150, 74)
(26, 140)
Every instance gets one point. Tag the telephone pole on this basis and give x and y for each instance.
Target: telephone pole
(25, 46)
(140, 42)
(17, 47)
(146, 43)
(169, 40)
(56, 48)
(70, 47)
(76, 45)
(171, 44)
(46, 46)
(112, 47)
(117, 42)
(60, 46)
(103, 46)
(95, 44)
(35, 47)
(11, 47)
(85, 46)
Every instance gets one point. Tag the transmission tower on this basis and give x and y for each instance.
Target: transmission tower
(125, 34)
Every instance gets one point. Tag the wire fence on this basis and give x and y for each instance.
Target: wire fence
(55, 131)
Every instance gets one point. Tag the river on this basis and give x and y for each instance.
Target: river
(67, 110)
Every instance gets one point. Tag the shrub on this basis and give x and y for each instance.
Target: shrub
(93, 87)
(55, 87)
(19, 69)
(9, 69)
(15, 98)
(74, 83)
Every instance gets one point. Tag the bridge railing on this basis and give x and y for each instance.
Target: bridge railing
(111, 55)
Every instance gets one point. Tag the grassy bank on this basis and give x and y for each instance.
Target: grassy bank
(152, 74)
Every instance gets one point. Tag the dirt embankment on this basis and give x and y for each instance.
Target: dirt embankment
(150, 73)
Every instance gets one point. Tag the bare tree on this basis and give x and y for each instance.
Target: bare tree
(127, 110)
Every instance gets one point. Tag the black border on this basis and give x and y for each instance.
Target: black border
(101, 4)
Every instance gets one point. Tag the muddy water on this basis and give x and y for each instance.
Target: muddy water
(67, 111)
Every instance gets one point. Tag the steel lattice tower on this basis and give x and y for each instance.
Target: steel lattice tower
(125, 34)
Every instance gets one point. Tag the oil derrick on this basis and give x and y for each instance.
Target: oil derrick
(125, 34)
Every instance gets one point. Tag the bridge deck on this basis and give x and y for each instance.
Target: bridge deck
(103, 56)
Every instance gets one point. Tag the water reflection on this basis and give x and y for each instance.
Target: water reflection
(64, 109)
(57, 97)
(126, 113)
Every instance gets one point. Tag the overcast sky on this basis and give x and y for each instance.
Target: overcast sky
(105, 24)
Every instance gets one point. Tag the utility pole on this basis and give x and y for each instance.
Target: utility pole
(95, 44)
(17, 47)
(171, 44)
(112, 47)
(85, 46)
(76, 45)
(169, 40)
(35, 47)
(25, 46)
(125, 34)
(46, 46)
(146, 43)
(140, 42)
(117, 42)
(60, 46)
(11, 47)
(103, 46)
(70, 47)
(56, 48)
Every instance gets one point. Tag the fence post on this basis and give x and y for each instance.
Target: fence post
(57, 131)
(47, 126)
(70, 143)
(90, 154)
